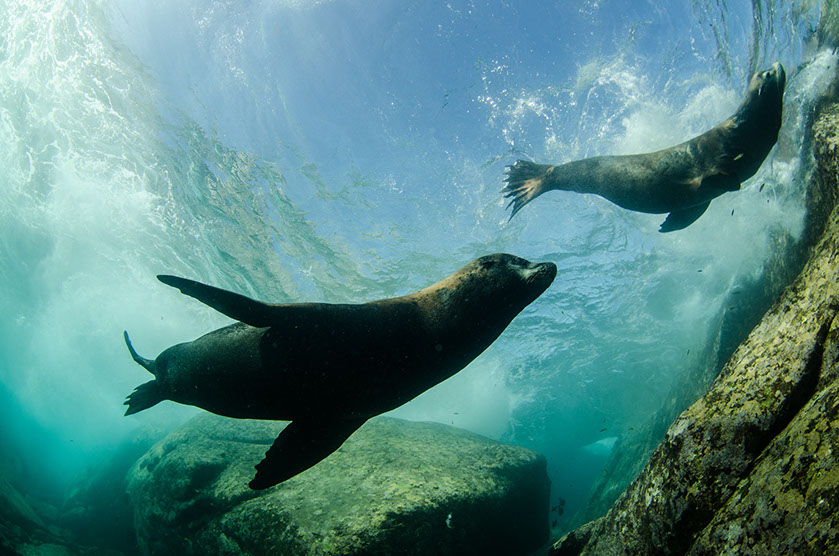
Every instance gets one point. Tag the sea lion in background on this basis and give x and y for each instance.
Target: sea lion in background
(329, 367)
(681, 180)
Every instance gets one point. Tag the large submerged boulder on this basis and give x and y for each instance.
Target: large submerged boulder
(752, 466)
(395, 487)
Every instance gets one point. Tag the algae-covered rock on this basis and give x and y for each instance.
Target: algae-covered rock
(788, 504)
(751, 466)
(748, 303)
(395, 487)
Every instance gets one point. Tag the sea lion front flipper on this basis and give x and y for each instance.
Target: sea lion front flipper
(682, 218)
(143, 397)
(234, 305)
(302, 444)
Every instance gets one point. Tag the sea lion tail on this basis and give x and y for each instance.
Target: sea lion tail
(525, 181)
(143, 397)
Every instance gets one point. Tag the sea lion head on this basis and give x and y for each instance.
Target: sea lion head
(506, 271)
(500, 284)
(764, 100)
(753, 130)
(768, 87)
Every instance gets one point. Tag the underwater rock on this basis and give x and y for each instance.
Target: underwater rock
(753, 465)
(19, 524)
(96, 510)
(24, 532)
(395, 487)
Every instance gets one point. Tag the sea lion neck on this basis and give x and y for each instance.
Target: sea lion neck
(469, 301)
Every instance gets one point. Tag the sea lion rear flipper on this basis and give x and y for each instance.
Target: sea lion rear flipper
(679, 219)
(302, 444)
(525, 181)
(234, 305)
(143, 397)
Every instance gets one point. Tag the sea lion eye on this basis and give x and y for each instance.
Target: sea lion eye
(487, 264)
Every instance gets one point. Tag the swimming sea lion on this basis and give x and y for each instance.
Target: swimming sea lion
(681, 180)
(330, 367)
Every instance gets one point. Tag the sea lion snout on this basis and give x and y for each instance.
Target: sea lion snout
(546, 269)
(781, 76)
(773, 80)
(541, 274)
(528, 271)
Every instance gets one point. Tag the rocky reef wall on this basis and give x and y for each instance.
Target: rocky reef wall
(753, 465)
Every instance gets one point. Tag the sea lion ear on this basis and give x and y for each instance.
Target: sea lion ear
(234, 305)
(680, 219)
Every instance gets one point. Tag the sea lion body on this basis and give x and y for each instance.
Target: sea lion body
(681, 180)
(330, 367)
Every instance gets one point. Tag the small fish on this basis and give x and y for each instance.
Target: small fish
(602, 430)
(761, 187)
(449, 522)
(732, 212)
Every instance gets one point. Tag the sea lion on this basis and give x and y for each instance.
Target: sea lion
(329, 367)
(681, 180)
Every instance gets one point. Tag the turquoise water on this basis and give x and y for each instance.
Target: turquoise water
(346, 151)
